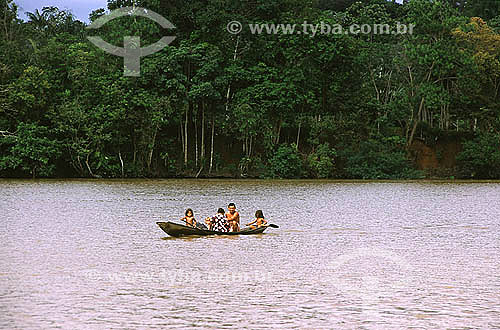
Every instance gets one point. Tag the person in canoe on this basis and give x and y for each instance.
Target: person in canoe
(189, 218)
(233, 218)
(259, 220)
(218, 222)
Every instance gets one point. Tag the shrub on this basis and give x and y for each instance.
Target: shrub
(33, 151)
(481, 157)
(286, 163)
(374, 159)
(321, 162)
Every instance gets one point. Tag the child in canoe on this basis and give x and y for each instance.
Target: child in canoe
(218, 222)
(259, 220)
(189, 218)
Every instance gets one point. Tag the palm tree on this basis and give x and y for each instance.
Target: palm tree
(52, 20)
(38, 20)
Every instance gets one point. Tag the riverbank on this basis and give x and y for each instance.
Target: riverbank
(247, 180)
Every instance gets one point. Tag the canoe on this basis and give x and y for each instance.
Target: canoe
(177, 230)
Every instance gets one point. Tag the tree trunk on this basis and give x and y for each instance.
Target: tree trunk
(277, 141)
(202, 155)
(415, 123)
(250, 147)
(6, 23)
(186, 137)
(181, 130)
(447, 116)
(298, 136)
(121, 162)
(212, 146)
(88, 166)
(150, 156)
(195, 120)
(377, 91)
(199, 172)
(80, 168)
(228, 94)
(323, 98)
(135, 151)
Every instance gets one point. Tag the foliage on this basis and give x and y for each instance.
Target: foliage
(33, 151)
(480, 158)
(484, 44)
(286, 163)
(375, 160)
(212, 103)
(321, 162)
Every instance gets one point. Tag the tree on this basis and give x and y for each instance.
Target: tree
(484, 43)
(32, 151)
(430, 64)
(52, 21)
(9, 22)
(480, 158)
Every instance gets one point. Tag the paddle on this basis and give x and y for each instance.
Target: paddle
(270, 225)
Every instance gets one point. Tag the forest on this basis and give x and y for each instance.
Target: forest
(217, 104)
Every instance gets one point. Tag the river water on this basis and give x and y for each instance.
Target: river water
(84, 254)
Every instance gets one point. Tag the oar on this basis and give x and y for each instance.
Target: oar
(270, 225)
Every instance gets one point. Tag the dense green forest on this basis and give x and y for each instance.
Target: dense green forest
(212, 103)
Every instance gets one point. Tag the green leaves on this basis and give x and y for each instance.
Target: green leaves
(321, 162)
(33, 151)
(353, 103)
(480, 158)
(286, 163)
(378, 159)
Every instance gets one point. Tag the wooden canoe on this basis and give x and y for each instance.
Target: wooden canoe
(177, 230)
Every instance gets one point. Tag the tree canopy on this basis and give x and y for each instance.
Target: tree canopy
(279, 105)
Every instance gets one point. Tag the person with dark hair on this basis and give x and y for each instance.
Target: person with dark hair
(189, 218)
(233, 218)
(259, 220)
(218, 222)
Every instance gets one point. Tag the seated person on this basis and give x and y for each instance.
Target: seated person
(233, 218)
(208, 222)
(218, 222)
(259, 220)
(189, 218)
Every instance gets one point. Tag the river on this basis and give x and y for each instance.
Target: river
(87, 254)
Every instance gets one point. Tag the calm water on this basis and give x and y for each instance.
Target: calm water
(88, 255)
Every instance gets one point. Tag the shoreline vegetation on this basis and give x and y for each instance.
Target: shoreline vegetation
(215, 180)
(215, 104)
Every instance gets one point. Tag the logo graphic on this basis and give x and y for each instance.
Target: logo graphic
(132, 51)
(369, 284)
(370, 275)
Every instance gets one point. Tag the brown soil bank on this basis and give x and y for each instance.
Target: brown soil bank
(439, 157)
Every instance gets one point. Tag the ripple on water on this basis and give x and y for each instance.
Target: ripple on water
(87, 253)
